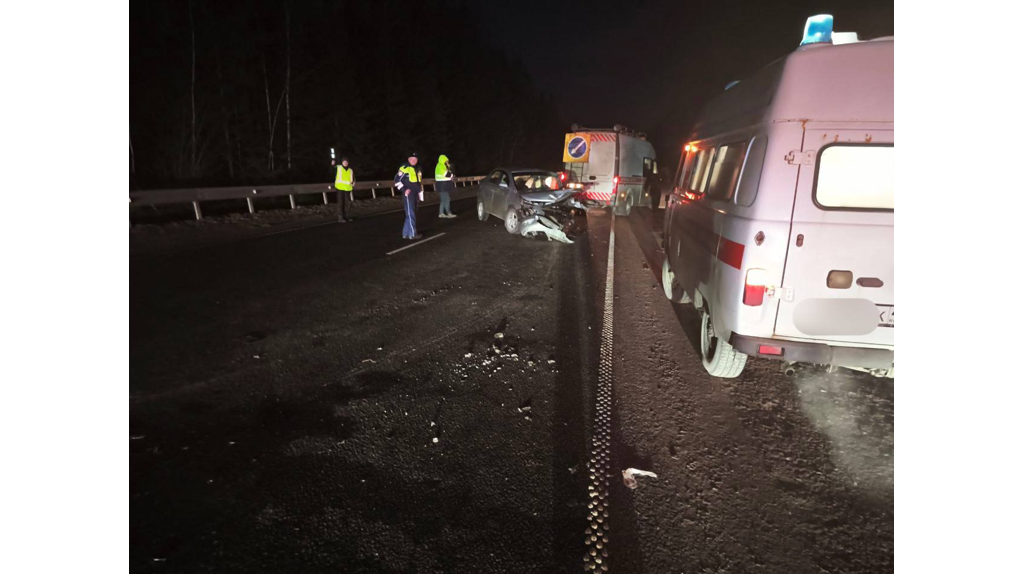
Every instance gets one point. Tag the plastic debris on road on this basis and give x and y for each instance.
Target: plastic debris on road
(629, 477)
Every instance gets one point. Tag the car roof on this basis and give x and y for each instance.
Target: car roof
(515, 170)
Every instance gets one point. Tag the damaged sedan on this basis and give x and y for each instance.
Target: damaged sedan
(531, 202)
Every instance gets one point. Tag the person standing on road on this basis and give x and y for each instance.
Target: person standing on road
(407, 181)
(444, 185)
(344, 181)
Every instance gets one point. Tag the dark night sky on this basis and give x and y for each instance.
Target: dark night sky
(648, 64)
(651, 64)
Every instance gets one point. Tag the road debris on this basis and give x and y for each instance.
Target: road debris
(629, 476)
(549, 214)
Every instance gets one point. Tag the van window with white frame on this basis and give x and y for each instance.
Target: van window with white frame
(855, 177)
(750, 176)
(726, 169)
(699, 173)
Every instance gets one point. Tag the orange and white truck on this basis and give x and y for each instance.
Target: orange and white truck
(611, 167)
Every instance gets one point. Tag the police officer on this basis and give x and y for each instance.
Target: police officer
(343, 182)
(407, 181)
(443, 184)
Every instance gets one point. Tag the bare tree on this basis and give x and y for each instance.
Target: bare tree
(192, 28)
(288, 80)
(271, 119)
(225, 116)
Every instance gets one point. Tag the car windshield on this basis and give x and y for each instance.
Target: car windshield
(536, 181)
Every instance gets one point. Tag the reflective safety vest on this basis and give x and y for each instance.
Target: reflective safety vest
(343, 180)
(441, 172)
(411, 172)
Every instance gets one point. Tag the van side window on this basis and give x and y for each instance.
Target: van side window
(855, 176)
(682, 175)
(725, 172)
(699, 173)
(750, 177)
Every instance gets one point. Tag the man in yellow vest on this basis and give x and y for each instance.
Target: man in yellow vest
(343, 182)
(407, 181)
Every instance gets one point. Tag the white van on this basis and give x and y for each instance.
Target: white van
(780, 224)
(610, 167)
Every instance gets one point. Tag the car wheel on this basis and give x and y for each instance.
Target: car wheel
(512, 222)
(673, 291)
(719, 357)
(481, 213)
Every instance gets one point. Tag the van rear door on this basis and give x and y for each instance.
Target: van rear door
(837, 284)
(600, 170)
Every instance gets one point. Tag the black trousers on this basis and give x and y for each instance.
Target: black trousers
(343, 205)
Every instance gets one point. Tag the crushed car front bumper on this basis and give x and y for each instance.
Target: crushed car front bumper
(554, 220)
(538, 224)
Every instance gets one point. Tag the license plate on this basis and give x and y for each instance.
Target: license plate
(886, 316)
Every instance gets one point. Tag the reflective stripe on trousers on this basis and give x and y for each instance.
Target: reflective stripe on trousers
(409, 229)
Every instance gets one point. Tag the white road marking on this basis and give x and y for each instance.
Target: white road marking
(596, 556)
(421, 242)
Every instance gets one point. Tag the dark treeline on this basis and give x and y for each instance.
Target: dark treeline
(246, 93)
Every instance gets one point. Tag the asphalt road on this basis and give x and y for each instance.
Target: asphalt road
(304, 401)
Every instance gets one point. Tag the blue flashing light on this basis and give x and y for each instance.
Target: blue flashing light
(818, 29)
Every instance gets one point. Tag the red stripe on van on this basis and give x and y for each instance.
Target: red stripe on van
(730, 253)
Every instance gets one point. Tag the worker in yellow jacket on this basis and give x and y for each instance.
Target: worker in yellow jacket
(344, 182)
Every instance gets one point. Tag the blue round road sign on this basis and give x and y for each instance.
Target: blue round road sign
(577, 147)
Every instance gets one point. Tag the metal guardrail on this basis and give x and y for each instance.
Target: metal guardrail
(195, 195)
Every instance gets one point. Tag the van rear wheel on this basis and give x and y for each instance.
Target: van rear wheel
(673, 290)
(719, 357)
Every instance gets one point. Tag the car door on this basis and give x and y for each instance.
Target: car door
(499, 200)
(488, 188)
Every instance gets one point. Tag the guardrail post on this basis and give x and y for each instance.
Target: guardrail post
(252, 208)
(291, 198)
(325, 198)
(352, 196)
(373, 191)
(392, 191)
(199, 212)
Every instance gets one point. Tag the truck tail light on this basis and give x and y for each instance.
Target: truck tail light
(753, 290)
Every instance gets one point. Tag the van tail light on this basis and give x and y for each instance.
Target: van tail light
(769, 350)
(615, 180)
(753, 290)
(561, 176)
